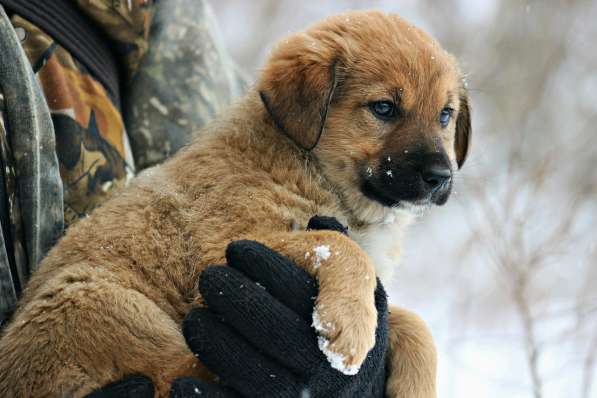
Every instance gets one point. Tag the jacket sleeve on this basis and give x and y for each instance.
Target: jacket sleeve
(179, 73)
(33, 220)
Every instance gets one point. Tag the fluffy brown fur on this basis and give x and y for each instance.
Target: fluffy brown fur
(108, 300)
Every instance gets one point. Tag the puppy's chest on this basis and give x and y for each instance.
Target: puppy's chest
(382, 242)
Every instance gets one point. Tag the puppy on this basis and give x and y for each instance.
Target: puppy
(363, 117)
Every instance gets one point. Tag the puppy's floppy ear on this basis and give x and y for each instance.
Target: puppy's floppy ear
(463, 130)
(297, 86)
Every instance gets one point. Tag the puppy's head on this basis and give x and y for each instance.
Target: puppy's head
(380, 105)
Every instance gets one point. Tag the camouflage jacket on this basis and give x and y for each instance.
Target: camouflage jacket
(68, 139)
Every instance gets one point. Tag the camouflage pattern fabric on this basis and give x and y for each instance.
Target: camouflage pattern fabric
(32, 216)
(184, 80)
(179, 77)
(127, 22)
(92, 146)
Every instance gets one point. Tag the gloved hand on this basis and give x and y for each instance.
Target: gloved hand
(256, 333)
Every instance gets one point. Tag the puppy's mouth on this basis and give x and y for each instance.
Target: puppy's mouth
(388, 197)
(370, 190)
(406, 186)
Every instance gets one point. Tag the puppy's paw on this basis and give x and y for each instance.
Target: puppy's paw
(345, 316)
(346, 331)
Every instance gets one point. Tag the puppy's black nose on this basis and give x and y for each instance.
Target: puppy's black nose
(436, 176)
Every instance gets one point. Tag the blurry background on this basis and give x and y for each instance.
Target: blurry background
(506, 272)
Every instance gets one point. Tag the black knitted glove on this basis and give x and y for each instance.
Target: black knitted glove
(257, 335)
(135, 386)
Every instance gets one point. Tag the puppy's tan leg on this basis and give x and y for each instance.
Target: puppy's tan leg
(83, 330)
(412, 359)
(345, 314)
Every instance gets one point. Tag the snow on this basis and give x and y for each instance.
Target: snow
(335, 359)
(319, 325)
(305, 393)
(321, 253)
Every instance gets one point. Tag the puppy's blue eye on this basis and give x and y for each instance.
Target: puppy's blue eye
(445, 116)
(384, 110)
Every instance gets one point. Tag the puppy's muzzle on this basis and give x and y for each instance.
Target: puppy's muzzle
(419, 178)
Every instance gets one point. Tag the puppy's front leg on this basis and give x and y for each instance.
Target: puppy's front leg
(412, 359)
(344, 315)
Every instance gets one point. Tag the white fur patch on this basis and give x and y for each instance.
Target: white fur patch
(382, 241)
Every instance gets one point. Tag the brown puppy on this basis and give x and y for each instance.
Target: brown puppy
(363, 117)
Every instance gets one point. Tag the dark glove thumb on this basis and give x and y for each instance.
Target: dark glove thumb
(135, 386)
